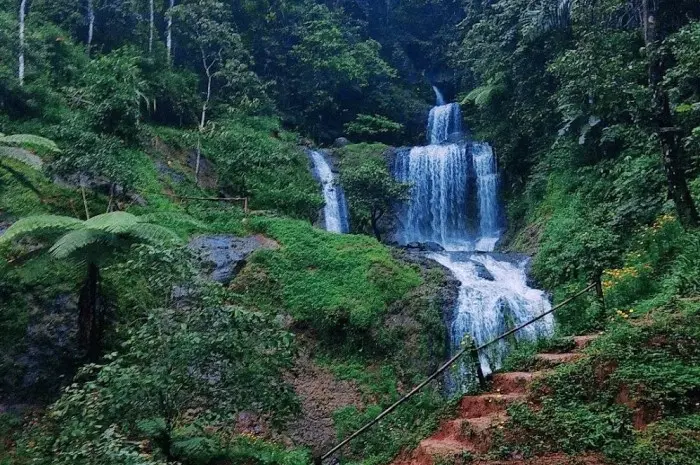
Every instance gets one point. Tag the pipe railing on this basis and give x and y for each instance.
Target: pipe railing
(446, 365)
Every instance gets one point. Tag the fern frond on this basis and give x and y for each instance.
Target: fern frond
(30, 140)
(40, 224)
(22, 155)
(176, 219)
(483, 95)
(153, 234)
(78, 240)
(196, 449)
(113, 222)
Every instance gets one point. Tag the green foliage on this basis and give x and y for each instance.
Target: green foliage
(176, 370)
(111, 91)
(254, 158)
(339, 285)
(369, 186)
(87, 240)
(377, 127)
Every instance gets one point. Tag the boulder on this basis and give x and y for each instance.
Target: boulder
(34, 371)
(482, 271)
(224, 256)
(341, 142)
(432, 247)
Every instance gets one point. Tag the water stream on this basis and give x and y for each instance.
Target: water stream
(335, 210)
(454, 202)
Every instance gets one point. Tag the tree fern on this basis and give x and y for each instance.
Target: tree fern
(18, 140)
(40, 225)
(484, 95)
(152, 233)
(77, 242)
(113, 222)
(22, 155)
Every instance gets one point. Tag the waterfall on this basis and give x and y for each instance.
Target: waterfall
(335, 211)
(454, 202)
(437, 211)
(487, 193)
(438, 96)
(493, 298)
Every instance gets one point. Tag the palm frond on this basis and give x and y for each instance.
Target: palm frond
(78, 241)
(30, 140)
(113, 222)
(40, 224)
(22, 155)
(153, 234)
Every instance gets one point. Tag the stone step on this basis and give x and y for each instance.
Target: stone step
(433, 451)
(584, 341)
(486, 404)
(514, 382)
(550, 459)
(553, 360)
(476, 434)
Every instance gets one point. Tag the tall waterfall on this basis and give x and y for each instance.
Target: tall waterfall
(335, 211)
(442, 206)
(454, 202)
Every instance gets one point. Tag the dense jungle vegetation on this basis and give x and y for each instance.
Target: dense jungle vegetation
(121, 120)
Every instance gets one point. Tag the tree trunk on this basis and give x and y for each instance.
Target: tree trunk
(203, 119)
(90, 319)
(91, 23)
(668, 134)
(169, 29)
(22, 44)
(151, 25)
(374, 220)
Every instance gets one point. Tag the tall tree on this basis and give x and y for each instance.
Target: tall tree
(90, 243)
(22, 44)
(169, 29)
(656, 18)
(207, 31)
(151, 25)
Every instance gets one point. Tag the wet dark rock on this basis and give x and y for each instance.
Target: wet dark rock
(482, 271)
(341, 142)
(424, 247)
(433, 247)
(35, 370)
(207, 177)
(166, 171)
(100, 185)
(224, 256)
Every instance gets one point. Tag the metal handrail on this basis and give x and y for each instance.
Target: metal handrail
(446, 365)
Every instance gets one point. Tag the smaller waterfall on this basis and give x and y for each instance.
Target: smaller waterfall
(335, 211)
(445, 124)
(438, 96)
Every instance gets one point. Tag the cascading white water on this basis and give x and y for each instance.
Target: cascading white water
(335, 211)
(437, 211)
(487, 193)
(493, 298)
(454, 202)
(438, 96)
